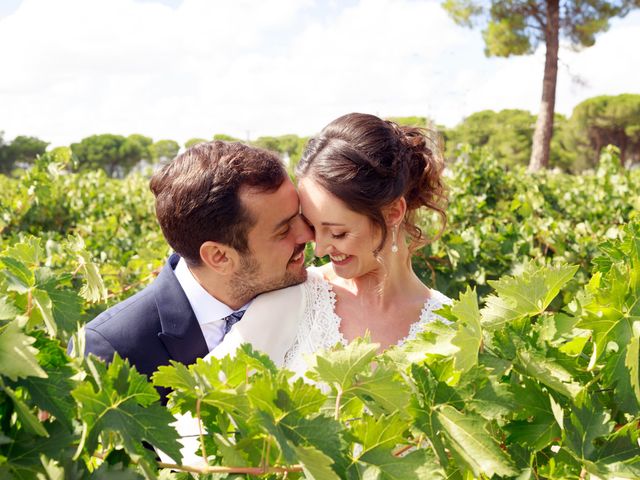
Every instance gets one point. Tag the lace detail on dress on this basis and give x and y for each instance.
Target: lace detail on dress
(320, 325)
(428, 315)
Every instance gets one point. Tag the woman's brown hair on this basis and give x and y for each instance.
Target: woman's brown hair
(368, 163)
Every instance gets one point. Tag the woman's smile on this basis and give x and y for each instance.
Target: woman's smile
(340, 259)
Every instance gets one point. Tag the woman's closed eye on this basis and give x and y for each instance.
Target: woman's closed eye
(338, 236)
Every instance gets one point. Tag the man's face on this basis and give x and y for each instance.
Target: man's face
(276, 242)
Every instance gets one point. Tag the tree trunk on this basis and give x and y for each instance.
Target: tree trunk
(544, 124)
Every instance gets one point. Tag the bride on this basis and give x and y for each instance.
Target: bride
(362, 183)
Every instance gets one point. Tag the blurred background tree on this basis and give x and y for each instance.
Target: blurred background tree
(20, 153)
(115, 154)
(194, 141)
(601, 121)
(517, 27)
(164, 150)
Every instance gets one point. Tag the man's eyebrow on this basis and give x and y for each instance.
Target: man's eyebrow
(285, 221)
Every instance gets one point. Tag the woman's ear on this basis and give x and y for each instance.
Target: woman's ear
(395, 211)
(220, 258)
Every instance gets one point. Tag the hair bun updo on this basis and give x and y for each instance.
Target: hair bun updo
(368, 163)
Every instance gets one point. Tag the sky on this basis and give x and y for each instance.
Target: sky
(178, 69)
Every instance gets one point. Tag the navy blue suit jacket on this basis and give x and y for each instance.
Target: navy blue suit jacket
(150, 328)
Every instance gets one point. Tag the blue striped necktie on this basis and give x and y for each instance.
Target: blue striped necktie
(232, 319)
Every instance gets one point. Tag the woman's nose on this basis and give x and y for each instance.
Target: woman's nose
(304, 234)
(321, 246)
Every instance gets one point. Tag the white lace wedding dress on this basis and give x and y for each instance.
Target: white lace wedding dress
(319, 326)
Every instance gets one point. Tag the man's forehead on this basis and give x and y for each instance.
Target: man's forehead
(272, 207)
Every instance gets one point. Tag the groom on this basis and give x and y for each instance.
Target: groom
(231, 214)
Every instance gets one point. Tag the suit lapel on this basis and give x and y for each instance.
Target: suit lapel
(181, 334)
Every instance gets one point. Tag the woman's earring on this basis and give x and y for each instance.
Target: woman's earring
(394, 239)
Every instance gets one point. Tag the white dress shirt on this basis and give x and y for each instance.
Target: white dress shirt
(209, 311)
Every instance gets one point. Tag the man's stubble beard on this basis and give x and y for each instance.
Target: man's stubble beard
(246, 283)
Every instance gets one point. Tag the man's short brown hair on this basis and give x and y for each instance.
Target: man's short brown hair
(197, 195)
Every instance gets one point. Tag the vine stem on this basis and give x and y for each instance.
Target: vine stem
(204, 450)
(126, 288)
(29, 302)
(338, 400)
(245, 470)
(296, 468)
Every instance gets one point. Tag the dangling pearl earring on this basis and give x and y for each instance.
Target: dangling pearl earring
(394, 239)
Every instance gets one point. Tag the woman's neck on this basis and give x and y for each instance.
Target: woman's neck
(383, 287)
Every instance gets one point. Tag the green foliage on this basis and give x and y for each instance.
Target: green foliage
(506, 37)
(604, 120)
(164, 150)
(22, 151)
(194, 141)
(507, 134)
(516, 28)
(536, 374)
(498, 221)
(115, 154)
(290, 147)
(226, 138)
(423, 122)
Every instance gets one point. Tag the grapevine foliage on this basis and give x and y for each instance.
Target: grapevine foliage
(534, 374)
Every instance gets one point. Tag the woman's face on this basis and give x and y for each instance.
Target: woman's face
(348, 237)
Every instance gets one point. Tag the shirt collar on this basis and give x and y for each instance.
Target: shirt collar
(205, 306)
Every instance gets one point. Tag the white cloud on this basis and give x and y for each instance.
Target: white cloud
(73, 68)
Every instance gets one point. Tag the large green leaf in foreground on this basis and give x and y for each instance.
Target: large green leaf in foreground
(122, 402)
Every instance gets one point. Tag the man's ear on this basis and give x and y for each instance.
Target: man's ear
(220, 258)
(394, 212)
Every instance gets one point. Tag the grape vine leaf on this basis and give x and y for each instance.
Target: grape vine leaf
(315, 464)
(204, 380)
(338, 367)
(93, 289)
(433, 340)
(28, 251)
(29, 420)
(67, 308)
(303, 399)
(52, 393)
(45, 309)
(19, 278)
(323, 433)
(384, 431)
(611, 310)
(632, 362)
(468, 338)
(585, 424)
(17, 356)
(125, 404)
(8, 311)
(492, 400)
(381, 389)
(468, 440)
(534, 422)
(26, 451)
(547, 371)
(380, 464)
(525, 295)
